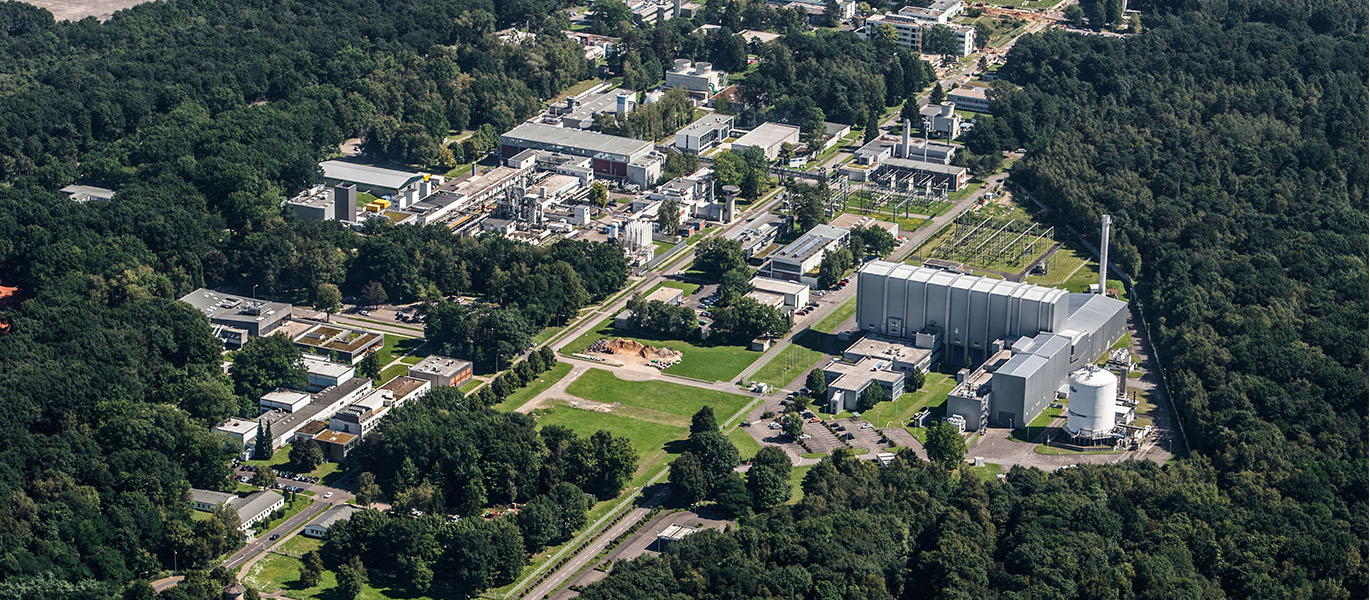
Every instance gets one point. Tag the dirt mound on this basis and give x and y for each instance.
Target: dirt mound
(622, 347)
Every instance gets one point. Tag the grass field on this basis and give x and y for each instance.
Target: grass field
(547, 379)
(1055, 451)
(700, 361)
(600, 385)
(648, 438)
(897, 412)
(796, 483)
(747, 446)
(791, 362)
(990, 472)
(470, 385)
(277, 572)
(395, 346)
(830, 323)
(545, 334)
(393, 371)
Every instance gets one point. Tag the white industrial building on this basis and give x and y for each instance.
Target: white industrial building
(777, 293)
(250, 509)
(324, 373)
(1029, 337)
(378, 181)
(699, 79)
(942, 119)
(337, 514)
(610, 156)
(804, 255)
(769, 137)
(86, 193)
(706, 132)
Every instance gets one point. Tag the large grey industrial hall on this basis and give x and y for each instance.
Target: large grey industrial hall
(1028, 337)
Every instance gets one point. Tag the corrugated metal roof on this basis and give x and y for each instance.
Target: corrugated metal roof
(367, 174)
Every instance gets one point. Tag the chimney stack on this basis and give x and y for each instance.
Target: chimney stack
(1104, 223)
(905, 150)
(345, 202)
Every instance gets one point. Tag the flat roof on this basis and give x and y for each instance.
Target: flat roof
(367, 174)
(677, 532)
(857, 376)
(810, 243)
(922, 165)
(328, 436)
(75, 190)
(664, 294)
(706, 123)
(324, 399)
(337, 337)
(404, 385)
(971, 91)
(874, 346)
(778, 286)
(234, 308)
(766, 135)
(317, 365)
(237, 426)
(576, 139)
(441, 365)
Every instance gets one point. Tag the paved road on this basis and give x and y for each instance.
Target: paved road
(260, 544)
(588, 554)
(166, 583)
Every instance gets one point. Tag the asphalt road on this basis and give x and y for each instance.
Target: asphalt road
(260, 544)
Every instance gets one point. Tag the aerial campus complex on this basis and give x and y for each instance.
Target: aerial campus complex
(1031, 345)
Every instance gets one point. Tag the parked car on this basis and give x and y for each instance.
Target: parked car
(328, 495)
(275, 536)
(364, 313)
(805, 436)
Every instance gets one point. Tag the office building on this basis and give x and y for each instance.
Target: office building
(611, 156)
(442, 371)
(911, 23)
(324, 373)
(847, 381)
(778, 293)
(250, 509)
(341, 344)
(256, 317)
(708, 131)
(244, 431)
(578, 112)
(759, 233)
(970, 97)
(802, 256)
(322, 406)
(208, 500)
(769, 137)
(284, 400)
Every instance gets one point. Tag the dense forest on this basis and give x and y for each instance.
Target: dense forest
(1228, 142)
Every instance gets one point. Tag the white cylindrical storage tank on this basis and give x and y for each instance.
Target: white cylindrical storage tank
(1092, 397)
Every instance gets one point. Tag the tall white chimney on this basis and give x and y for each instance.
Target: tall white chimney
(1104, 223)
(905, 151)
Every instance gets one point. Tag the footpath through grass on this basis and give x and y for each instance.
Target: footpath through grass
(603, 386)
(702, 361)
(547, 379)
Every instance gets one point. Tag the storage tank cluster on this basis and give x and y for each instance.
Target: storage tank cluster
(1093, 398)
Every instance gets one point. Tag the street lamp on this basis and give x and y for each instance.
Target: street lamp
(254, 291)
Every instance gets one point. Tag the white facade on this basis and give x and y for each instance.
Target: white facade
(242, 430)
(697, 78)
(972, 98)
(769, 137)
(1093, 393)
(637, 234)
(285, 400)
(910, 23)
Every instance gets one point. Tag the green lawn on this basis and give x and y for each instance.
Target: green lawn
(796, 483)
(1053, 450)
(291, 508)
(830, 323)
(700, 361)
(603, 386)
(747, 446)
(648, 438)
(687, 289)
(526, 393)
(470, 385)
(545, 334)
(393, 371)
(990, 472)
(897, 412)
(281, 461)
(1037, 426)
(790, 363)
(281, 573)
(395, 346)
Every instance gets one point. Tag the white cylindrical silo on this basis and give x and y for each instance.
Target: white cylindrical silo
(1093, 392)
